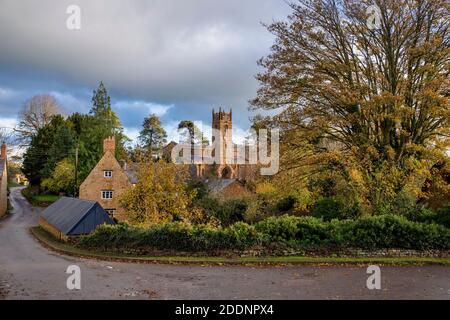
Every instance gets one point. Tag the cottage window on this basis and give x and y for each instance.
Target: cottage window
(107, 174)
(107, 194)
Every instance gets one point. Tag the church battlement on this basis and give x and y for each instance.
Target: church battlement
(222, 116)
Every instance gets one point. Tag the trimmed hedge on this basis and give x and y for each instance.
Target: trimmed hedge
(297, 232)
(392, 232)
(173, 236)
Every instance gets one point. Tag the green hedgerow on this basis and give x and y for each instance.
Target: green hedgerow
(377, 232)
(391, 231)
(303, 231)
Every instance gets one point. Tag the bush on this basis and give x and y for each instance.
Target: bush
(243, 235)
(299, 231)
(172, 236)
(296, 232)
(279, 229)
(424, 215)
(313, 231)
(286, 203)
(328, 209)
(443, 216)
(233, 211)
(391, 232)
(113, 236)
(227, 213)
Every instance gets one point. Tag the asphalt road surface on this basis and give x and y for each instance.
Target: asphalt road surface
(29, 271)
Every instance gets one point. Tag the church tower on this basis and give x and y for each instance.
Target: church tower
(223, 122)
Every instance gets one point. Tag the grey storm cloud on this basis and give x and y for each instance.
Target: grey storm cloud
(186, 54)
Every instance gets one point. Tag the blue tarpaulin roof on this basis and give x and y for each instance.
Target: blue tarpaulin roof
(74, 216)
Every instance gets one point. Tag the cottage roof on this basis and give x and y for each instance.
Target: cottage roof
(132, 172)
(66, 213)
(220, 184)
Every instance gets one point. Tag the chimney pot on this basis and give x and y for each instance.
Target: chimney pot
(109, 144)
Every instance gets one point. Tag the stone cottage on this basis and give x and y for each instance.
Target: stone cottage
(108, 180)
(3, 180)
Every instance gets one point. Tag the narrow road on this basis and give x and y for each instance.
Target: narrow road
(29, 271)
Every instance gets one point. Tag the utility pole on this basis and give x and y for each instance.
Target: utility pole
(76, 171)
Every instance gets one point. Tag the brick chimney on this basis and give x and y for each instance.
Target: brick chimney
(109, 144)
(4, 151)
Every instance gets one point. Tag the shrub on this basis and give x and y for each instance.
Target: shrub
(286, 204)
(443, 216)
(313, 231)
(392, 232)
(227, 213)
(297, 202)
(173, 236)
(112, 237)
(378, 232)
(298, 231)
(279, 229)
(233, 211)
(424, 215)
(243, 235)
(328, 209)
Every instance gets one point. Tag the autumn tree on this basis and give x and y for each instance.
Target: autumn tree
(153, 136)
(61, 178)
(35, 114)
(160, 196)
(363, 94)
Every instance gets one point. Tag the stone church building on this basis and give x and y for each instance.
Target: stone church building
(108, 180)
(227, 161)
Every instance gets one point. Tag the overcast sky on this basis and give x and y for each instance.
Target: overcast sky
(176, 58)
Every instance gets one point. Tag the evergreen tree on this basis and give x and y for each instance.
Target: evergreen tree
(101, 110)
(106, 122)
(61, 147)
(101, 101)
(153, 136)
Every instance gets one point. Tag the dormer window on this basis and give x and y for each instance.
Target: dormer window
(107, 174)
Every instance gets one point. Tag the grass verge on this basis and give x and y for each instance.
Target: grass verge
(39, 200)
(65, 248)
(12, 184)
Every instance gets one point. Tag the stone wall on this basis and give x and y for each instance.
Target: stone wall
(4, 190)
(52, 230)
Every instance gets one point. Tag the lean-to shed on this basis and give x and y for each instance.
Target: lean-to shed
(70, 217)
